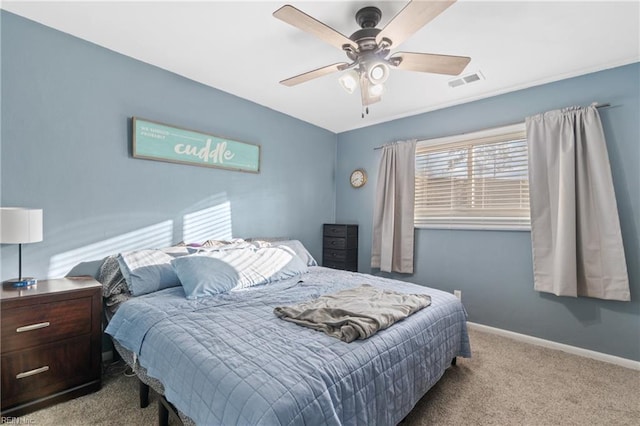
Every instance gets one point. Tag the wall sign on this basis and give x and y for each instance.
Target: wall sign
(157, 141)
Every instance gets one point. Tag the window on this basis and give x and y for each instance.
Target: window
(473, 181)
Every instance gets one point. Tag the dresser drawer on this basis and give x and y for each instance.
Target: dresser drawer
(333, 264)
(37, 324)
(329, 255)
(40, 371)
(334, 243)
(347, 255)
(335, 231)
(340, 246)
(345, 266)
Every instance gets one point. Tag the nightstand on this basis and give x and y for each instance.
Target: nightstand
(340, 246)
(51, 343)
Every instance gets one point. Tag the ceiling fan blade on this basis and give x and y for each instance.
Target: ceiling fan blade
(301, 20)
(428, 62)
(301, 78)
(367, 97)
(414, 16)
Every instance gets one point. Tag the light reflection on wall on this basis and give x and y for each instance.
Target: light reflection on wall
(154, 236)
(208, 223)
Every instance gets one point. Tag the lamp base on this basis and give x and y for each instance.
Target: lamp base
(22, 282)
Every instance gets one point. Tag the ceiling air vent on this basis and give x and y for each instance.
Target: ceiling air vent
(466, 79)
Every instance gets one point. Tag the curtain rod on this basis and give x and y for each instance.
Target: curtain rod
(595, 104)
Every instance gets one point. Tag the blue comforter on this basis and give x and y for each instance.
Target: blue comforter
(227, 359)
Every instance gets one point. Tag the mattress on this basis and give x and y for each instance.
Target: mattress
(227, 359)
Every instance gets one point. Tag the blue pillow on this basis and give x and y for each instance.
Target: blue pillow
(146, 271)
(202, 274)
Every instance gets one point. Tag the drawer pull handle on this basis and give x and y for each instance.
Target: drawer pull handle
(32, 327)
(32, 372)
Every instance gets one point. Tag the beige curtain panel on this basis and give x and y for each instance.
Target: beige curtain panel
(392, 246)
(575, 230)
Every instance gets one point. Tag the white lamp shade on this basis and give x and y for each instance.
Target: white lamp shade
(19, 226)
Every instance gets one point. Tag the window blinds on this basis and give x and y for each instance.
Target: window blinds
(477, 180)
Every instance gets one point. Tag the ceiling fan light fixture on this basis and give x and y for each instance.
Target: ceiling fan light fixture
(378, 73)
(376, 90)
(349, 81)
(369, 47)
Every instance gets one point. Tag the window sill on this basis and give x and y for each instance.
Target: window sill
(485, 227)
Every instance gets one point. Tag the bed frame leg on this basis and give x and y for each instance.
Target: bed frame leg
(144, 394)
(166, 410)
(454, 361)
(163, 414)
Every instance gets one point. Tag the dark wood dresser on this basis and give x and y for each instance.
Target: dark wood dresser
(340, 246)
(51, 343)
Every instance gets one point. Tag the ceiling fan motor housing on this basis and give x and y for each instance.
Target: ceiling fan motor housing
(366, 38)
(368, 17)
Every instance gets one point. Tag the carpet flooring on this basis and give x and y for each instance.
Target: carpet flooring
(505, 383)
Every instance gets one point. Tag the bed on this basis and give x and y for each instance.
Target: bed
(227, 359)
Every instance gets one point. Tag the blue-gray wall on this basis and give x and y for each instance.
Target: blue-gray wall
(66, 105)
(65, 148)
(493, 268)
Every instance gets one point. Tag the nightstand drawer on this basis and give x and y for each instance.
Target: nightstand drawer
(51, 343)
(46, 369)
(36, 324)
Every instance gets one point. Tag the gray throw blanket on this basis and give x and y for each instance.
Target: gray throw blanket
(355, 313)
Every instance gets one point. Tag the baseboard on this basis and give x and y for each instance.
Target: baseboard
(574, 350)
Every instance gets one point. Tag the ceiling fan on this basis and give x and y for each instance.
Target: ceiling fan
(368, 48)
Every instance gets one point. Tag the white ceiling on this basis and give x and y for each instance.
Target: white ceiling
(239, 47)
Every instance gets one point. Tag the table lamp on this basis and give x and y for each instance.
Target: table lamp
(20, 226)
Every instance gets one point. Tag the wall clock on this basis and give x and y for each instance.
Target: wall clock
(358, 178)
